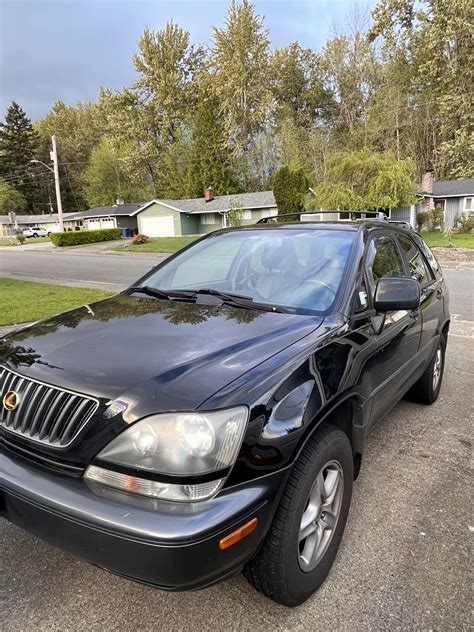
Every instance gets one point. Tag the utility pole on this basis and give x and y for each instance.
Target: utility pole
(54, 158)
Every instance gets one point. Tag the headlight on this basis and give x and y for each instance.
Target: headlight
(176, 444)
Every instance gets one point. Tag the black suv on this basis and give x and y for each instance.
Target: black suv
(213, 417)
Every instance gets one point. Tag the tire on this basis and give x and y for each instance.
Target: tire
(283, 570)
(427, 389)
(35, 234)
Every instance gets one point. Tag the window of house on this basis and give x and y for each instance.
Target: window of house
(268, 212)
(416, 264)
(247, 214)
(468, 205)
(208, 218)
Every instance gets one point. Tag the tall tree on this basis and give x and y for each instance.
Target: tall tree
(436, 36)
(78, 131)
(352, 73)
(210, 162)
(18, 144)
(167, 65)
(297, 85)
(106, 177)
(241, 73)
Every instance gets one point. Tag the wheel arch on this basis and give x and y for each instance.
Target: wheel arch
(346, 415)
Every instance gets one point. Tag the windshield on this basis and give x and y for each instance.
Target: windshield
(297, 269)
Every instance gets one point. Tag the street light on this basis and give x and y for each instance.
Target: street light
(42, 163)
(55, 170)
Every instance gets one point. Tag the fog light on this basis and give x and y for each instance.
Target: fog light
(153, 489)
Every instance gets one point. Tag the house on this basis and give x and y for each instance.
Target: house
(169, 218)
(119, 215)
(455, 197)
(47, 221)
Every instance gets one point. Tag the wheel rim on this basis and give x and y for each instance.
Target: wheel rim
(321, 514)
(437, 369)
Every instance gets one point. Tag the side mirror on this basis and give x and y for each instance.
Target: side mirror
(393, 293)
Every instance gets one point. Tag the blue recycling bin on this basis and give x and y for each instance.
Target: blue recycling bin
(126, 232)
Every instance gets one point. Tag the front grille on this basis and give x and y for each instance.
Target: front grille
(44, 413)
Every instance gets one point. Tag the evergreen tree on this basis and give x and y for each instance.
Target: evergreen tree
(210, 161)
(18, 144)
(289, 188)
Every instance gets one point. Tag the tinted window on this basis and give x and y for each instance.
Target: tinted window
(416, 264)
(386, 259)
(294, 268)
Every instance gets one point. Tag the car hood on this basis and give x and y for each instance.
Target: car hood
(156, 355)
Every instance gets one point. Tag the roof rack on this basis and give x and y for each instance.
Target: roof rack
(379, 215)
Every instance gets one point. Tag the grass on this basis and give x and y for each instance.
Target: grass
(24, 301)
(160, 244)
(436, 239)
(11, 241)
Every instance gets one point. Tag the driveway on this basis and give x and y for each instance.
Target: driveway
(404, 562)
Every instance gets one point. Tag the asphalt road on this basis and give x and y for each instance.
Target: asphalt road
(404, 563)
(78, 268)
(117, 271)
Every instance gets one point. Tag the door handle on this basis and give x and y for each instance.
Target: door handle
(439, 292)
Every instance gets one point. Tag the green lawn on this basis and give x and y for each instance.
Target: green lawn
(436, 239)
(23, 301)
(11, 241)
(160, 244)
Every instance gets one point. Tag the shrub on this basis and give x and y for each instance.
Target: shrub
(437, 218)
(422, 219)
(140, 239)
(20, 239)
(76, 238)
(465, 222)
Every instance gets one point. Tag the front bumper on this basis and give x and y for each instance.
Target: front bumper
(174, 546)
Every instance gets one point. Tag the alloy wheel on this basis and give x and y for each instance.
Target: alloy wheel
(319, 519)
(438, 363)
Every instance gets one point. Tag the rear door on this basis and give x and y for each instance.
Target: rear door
(431, 293)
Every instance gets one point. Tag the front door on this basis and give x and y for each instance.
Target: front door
(398, 339)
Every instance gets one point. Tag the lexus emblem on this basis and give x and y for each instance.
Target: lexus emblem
(11, 400)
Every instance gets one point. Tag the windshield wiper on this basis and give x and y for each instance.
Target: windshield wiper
(236, 300)
(156, 293)
(239, 300)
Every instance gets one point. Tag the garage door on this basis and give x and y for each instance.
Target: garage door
(157, 226)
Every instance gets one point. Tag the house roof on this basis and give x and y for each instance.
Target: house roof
(105, 211)
(453, 188)
(221, 203)
(36, 219)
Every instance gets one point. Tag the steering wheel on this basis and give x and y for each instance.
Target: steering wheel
(321, 284)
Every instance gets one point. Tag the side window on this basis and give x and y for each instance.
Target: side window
(386, 260)
(416, 264)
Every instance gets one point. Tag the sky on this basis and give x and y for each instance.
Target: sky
(68, 49)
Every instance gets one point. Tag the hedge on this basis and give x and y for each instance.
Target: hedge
(77, 237)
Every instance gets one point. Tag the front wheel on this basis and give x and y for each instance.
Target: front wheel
(303, 540)
(35, 234)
